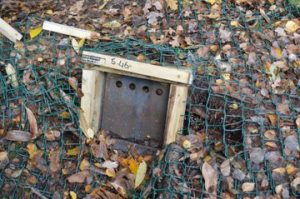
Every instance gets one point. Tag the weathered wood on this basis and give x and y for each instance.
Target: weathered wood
(9, 31)
(69, 30)
(91, 103)
(176, 110)
(171, 74)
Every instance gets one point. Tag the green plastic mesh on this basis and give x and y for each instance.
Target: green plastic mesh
(227, 116)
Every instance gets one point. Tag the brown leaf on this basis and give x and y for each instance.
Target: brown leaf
(18, 136)
(3, 159)
(225, 168)
(273, 119)
(32, 123)
(123, 182)
(210, 176)
(54, 161)
(78, 177)
(283, 108)
(248, 186)
(172, 4)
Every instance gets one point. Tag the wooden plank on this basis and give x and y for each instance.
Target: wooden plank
(176, 110)
(147, 70)
(9, 32)
(69, 30)
(91, 103)
(114, 71)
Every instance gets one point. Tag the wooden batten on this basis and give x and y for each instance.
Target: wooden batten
(176, 110)
(92, 88)
(148, 71)
(9, 32)
(69, 30)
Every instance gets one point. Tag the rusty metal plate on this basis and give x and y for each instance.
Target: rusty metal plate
(135, 109)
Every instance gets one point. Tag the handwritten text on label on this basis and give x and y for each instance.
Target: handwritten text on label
(100, 60)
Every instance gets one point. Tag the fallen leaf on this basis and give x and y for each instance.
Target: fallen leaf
(283, 108)
(112, 24)
(298, 122)
(133, 165)
(272, 145)
(110, 173)
(16, 173)
(77, 45)
(291, 169)
(211, 1)
(84, 165)
(291, 27)
(257, 155)
(54, 158)
(3, 159)
(140, 175)
(12, 75)
(32, 123)
(273, 119)
(210, 176)
(296, 184)
(18, 136)
(270, 134)
(225, 168)
(291, 143)
(73, 195)
(248, 186)
(78, 177)
(172, 4)
(276, 52)
(32, 150)
(280, 170)
(186, 144)
(74, 151)
(110, 164)
(35, 32)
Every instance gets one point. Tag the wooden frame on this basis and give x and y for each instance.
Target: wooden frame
(93, 85)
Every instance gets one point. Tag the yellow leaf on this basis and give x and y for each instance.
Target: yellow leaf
(77, 45)
(65, 115)
(133, 166)
(73, 195)
(74, 151)
(140, 175)
(35, 32)
(84, 165)
(273, 119)
(211, 1)
(49, 12)
(291, 27)
(271, 145)
(276, 52)
(32, 150)
(280, 170)
(186, 144)
(172, 4)
(226, 76)
(234, 23)
(110, 173)
(112, 24)
(290, 169)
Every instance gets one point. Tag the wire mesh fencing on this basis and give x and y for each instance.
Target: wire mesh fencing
(241, 133)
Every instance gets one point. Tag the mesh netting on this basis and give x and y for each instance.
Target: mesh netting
(241, 112)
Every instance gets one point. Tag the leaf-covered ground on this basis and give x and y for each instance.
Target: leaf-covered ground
(242, 124)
